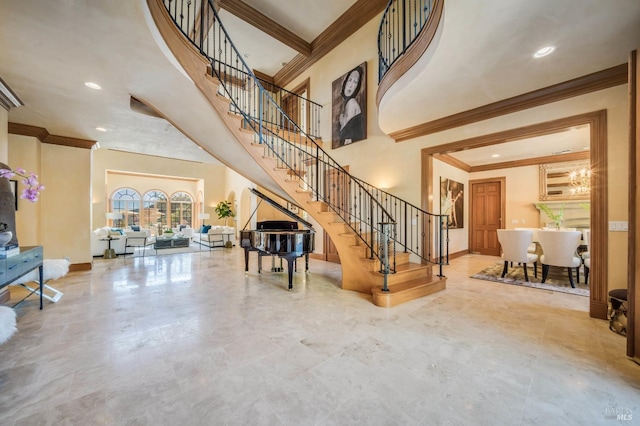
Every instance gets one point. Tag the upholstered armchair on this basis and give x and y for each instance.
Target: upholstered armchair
(515, 246)
(559, 249)
(138, 239)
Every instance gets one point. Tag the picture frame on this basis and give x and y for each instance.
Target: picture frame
(293, 208)
(349, 107)
(452, 202)
(14, 189)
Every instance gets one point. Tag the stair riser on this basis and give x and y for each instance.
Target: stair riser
(390, 299)
(402, 276)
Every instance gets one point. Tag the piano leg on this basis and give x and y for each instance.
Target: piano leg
(290, 266)
(306, 262)
(246, 261)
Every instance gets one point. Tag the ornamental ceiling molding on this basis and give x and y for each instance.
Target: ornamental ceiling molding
(45, 137)
(600, 80)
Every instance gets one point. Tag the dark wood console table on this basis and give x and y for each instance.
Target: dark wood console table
(12, 268)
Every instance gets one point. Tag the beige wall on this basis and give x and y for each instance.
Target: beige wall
(25, 152)
(397, 166)
(64, 204)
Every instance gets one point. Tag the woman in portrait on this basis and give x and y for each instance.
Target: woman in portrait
(351, 120)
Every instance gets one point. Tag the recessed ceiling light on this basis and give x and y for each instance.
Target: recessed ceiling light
(547, 50)
(495, 156)
(101, 129)
(246, 55)
(92, 85)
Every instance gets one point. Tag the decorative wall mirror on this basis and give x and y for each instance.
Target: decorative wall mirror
(565, 181)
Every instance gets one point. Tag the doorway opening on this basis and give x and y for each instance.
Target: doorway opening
(597, 122)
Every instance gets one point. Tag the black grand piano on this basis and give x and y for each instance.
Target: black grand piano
(280, 238)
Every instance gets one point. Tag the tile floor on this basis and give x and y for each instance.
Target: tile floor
(188, 339)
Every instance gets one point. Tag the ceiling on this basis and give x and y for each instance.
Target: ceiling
(482, 54)
(573, 140)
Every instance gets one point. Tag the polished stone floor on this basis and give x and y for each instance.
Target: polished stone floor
(188, 339)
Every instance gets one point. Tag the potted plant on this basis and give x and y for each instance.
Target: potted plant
(556, 218)
(223, 210)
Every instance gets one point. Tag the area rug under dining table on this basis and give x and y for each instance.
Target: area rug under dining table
(558, 279)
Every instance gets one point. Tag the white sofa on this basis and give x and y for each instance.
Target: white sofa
(187, 232)
(216, 237)
(99, 241)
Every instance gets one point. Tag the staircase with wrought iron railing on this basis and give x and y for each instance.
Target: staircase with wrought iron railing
(294, 151)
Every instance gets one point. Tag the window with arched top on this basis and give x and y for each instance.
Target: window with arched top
(127, 202)
(154, 209)
(181, 209)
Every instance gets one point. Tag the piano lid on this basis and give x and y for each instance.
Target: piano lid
(280, 208)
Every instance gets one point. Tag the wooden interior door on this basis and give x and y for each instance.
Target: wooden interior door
(486, 213)
(335, 191)
(291, 107)
(330, 252)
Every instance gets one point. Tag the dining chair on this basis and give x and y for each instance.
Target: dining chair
(515, 245)
(534, 247)
(587, 267)
(559, 249)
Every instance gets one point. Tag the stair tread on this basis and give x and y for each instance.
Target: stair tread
(411, 284)
(404, 267)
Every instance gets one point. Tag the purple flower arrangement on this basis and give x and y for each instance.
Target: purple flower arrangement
(30, 180)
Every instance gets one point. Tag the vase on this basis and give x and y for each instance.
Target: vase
(5, 237)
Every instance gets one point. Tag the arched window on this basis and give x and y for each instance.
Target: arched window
(127, 202)
(181, 209)
(154, 209)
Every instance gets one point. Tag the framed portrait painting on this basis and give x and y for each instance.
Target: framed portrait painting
(349, 107)
(452, 202)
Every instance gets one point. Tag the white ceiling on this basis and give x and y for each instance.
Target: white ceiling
(573, 140)
(483, 54)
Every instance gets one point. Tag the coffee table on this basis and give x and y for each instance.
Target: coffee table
(171, 242)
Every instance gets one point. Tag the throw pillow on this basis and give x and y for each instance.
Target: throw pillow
(135, 228)
(205, 229)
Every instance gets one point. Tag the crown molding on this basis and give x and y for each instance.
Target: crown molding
(346, 25)
(600, 80)
(266, 25)
(8, 99)
(45, 137)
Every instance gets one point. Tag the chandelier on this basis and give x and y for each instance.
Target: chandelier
(580, 181)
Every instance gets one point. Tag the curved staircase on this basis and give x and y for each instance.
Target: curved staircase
(355, 215)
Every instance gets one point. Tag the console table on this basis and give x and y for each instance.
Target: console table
(12, 268)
